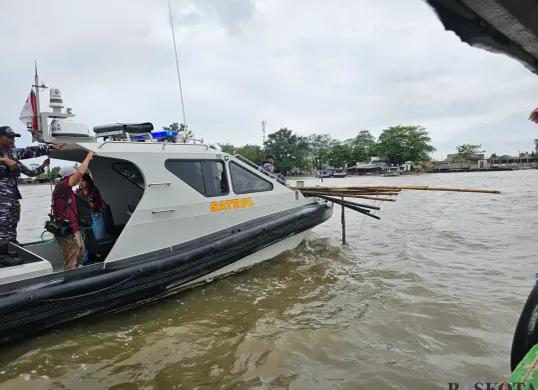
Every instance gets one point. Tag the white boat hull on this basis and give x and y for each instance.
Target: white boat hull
(265, 254)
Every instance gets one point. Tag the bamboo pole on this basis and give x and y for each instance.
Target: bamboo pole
(351, 206)
(354, 196)
(459, 190)
(373, 198)
(394, 188)
(380, 192)
(345, 193)
(358, 188)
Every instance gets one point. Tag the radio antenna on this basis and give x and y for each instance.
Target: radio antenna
(177, 62)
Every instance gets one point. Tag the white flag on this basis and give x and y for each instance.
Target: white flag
(29, 111)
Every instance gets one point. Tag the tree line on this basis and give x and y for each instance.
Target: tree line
(292, 151)
(316, 151)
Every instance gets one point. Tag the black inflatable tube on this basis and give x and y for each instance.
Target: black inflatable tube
(526, 333)
(27, 312)
(158, 266)
(136, 288)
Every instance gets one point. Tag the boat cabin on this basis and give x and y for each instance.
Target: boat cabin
(158, 195)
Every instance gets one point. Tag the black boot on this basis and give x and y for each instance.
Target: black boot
(4, 250)
(8, 258)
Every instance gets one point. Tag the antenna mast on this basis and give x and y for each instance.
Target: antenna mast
(40, 125)
(177, 63)
(263, 131)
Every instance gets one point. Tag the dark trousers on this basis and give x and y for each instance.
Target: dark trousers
(10, 214)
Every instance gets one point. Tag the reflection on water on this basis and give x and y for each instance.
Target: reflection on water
(428, 295)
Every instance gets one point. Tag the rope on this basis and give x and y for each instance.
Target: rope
(49, 240)
(82, 236)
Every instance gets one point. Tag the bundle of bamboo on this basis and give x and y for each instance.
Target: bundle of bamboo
(376, 193)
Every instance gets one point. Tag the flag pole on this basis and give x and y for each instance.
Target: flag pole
(38, 107)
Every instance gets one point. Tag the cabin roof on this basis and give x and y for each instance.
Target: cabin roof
(500, 26)
(78, 151)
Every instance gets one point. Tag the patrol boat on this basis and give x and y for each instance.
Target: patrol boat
(177, 214)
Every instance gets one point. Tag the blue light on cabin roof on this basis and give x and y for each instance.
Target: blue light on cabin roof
(159, 134)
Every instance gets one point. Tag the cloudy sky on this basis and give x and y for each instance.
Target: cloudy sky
(314, 66)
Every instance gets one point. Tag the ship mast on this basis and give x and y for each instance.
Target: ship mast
(177, 64)
(38, 106)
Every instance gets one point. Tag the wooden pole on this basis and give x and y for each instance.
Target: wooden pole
(356, 197)
(345, 193)
(343, 220)
(395, 188)
(372, 198)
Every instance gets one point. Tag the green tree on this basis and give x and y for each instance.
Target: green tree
(319, 146)
(467, 151)
(364, 146)
(253, 153)
(493, 155)
(291, 151)
(405, 143)
(457, 159)
(54, 173)
(340, 153)
(179, 127)
(228, 148)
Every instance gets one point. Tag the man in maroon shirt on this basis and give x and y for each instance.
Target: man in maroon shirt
(64, 206)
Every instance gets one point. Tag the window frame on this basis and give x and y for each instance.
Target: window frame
(202, 160)
(258, 176)
(127, 178)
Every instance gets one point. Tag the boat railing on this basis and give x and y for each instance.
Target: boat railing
(247, 161)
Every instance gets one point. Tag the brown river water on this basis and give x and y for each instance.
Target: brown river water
(428, 295)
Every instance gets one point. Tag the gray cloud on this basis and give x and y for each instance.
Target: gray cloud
(311, 65)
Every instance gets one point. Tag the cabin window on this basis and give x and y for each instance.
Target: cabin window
(208, 177)
(245, 182)
(130, 172)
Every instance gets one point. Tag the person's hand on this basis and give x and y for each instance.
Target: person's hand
(90, 155)
(58, 146)
(46, 163)
(534, 116)
(9, 163)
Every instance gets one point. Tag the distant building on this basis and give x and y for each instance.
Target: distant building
(512, 161)
(380, 161)
(361, 169)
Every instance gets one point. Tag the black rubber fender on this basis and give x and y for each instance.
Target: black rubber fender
(526, 334)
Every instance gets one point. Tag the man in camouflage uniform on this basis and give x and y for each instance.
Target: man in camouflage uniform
(269, 166)
(10, 170)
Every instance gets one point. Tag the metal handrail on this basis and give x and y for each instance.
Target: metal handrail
(246, 160)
